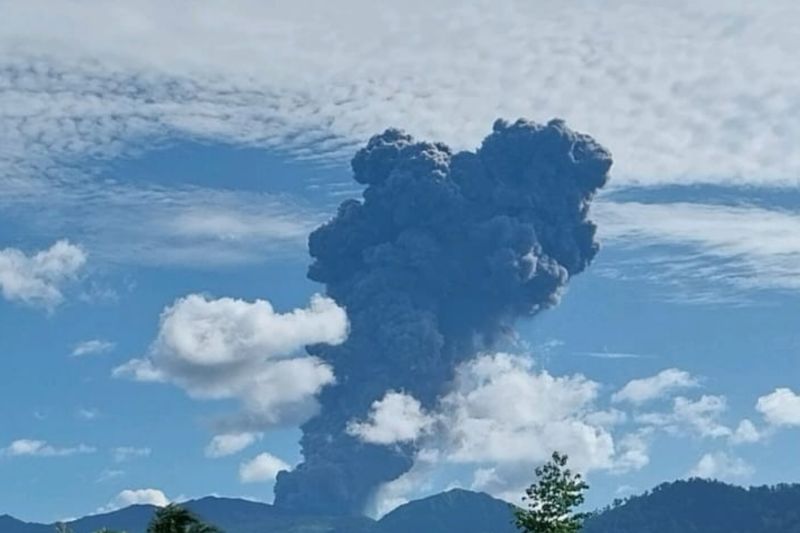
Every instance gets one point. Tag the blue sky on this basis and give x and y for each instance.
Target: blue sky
(148, 156)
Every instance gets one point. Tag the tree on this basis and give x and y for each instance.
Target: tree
(175, 519)
(551, 500)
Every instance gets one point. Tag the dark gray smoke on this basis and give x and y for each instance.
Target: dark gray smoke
(436, 262)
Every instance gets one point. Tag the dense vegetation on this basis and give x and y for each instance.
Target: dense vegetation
(703, 506)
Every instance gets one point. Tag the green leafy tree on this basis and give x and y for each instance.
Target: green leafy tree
(552, 499)
(175, 519)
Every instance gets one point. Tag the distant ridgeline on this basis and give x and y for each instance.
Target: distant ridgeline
(679, 507)
(704, 506)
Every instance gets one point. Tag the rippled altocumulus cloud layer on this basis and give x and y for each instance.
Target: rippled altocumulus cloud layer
(680, 92)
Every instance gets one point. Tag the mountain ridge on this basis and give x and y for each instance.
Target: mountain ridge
(682, 506)
(234, 515)
(697, 505)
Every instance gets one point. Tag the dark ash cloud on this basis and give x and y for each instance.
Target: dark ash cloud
(445, 251)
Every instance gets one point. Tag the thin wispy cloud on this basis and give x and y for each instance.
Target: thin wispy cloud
(703, 251)
(122, 454)
(642, 390)
(87, 414)
(230, 444)
(151, 225)
(615, 355)
(92, 347)
(109, 474)
(40, 448)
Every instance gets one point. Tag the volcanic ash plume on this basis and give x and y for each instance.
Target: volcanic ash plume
(434, 265)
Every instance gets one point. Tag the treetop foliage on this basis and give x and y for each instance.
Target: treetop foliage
(552, 499)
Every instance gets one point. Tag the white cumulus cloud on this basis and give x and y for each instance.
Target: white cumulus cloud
(746, 433)
(130, 497)
(502, 410)
(397, 417)
(633, 451)
(38, 279)
(721, 466)
(229, 348)
(502, 418)
(781, 407)
(700, 417)
(262, 468)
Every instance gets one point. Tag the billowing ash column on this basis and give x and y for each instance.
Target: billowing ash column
(445, 251)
